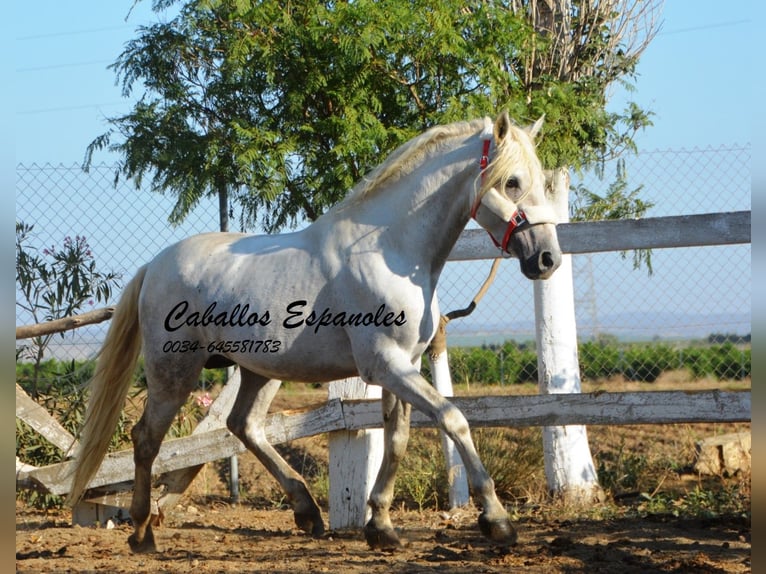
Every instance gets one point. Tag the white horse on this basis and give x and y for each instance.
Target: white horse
(354, 293)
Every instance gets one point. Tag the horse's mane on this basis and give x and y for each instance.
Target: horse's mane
(515, 149)
(404, 159)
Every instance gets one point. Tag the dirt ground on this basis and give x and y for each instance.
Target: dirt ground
(206, 534)
(223, 538)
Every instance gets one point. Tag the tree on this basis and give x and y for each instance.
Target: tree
(282, 108)
(588, 45)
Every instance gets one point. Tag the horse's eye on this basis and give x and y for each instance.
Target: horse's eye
(513, 183)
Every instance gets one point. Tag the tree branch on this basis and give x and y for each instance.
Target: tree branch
(64, 324)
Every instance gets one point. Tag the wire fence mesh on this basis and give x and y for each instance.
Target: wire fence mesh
(690, 313)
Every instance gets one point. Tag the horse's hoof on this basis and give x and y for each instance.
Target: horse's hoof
(143, 546)
(381, 538)
(498, 530)
(311, 523)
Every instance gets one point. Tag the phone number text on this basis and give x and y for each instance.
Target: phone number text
(236, 346)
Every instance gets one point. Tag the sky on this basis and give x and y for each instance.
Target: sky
(696, 77)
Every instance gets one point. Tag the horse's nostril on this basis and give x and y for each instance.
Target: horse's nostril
(546, 260)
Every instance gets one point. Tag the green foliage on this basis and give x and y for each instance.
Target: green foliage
(720, 361)
(283, 107)
(598, 359)
(422, 476)
(621, 470)
(606, 357)
(646, 363)
(65, 398)
(54, 283)
(700, 502)
(617, 203)
(508, 363)
(513, 458)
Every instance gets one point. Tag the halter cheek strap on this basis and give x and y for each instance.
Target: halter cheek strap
(485, 157)
(506, 209)
(515, 218)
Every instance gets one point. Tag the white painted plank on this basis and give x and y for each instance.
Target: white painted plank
(650, 407)
(41, 420)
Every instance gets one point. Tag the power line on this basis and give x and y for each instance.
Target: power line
(73, 33)
(726, 24)
(59, 66)
(67, 108)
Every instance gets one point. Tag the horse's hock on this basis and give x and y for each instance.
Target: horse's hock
(725, 454)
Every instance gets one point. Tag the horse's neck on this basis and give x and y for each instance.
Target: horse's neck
(422, 214)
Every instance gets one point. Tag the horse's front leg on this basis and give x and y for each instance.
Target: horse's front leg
(390, 368)
(246, 421)
(379, 530)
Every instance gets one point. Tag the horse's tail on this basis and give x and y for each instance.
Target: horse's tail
(109, 386)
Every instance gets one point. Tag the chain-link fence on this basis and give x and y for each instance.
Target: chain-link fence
(692, 312)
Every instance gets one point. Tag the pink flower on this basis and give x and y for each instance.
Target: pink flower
(204, 400)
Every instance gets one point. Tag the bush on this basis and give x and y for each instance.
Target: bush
(720, 361)
(646, 363)
(517, 363)
(599, 360)
(728, 362)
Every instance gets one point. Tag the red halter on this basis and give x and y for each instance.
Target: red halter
(518, 217)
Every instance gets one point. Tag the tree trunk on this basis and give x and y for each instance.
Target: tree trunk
(223, 205)
(569, 468)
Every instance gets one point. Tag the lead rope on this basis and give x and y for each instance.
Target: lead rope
(439, 343)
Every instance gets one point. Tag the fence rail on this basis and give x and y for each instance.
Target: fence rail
(623, 235)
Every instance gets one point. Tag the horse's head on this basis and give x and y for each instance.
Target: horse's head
(511, 204)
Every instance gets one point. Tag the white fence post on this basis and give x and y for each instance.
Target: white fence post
(355, 458)
(569, 467)
(456, 477)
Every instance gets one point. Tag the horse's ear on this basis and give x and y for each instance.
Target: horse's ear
(502, 126)
(535, 128)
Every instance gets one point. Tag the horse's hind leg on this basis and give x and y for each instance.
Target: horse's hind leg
(379, 532)
(165, 397)
(247, 422)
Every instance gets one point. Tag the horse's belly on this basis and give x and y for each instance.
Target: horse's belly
(285, 339)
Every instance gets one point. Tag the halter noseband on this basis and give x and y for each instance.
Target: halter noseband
(517, 217)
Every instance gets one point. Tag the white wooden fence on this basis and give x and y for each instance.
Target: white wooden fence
(212, 441)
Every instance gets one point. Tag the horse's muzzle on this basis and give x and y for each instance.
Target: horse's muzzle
(541, 265)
